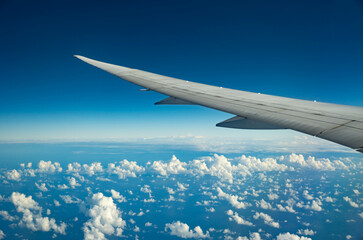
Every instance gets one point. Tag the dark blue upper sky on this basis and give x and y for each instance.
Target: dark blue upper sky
(301, 49)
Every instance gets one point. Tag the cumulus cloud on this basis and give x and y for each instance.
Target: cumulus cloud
(68, 199)
(272, 196)
(6, 216)
(2, 235)
(268, 220)
(232, 199)
(182, 230)
(307, 232)
(73, 183)
(321, 164)
(182, 187)
(13, 175)
(234, 216)
(116, 195)
(253, 236)
(49, 167)
(313, 205)
(93, 168)
(290, 236)
(263, 204)
(32, 215)
(125, 169)
(41, 187)
(175, 166)
(105, 218)
(351, 202)
(90, 169)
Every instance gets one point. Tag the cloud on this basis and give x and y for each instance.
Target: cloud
(314, 205)
(175, 166)
(2, 235)
(148, 224)
(125, 169)
(238, 219)
(68, 199)
(182, 187)
(6, 216)
(93, 168)
(253, 236)
(41, 187)
(289, 236)
(263, 204)
(105, 218)
(307, 232)
(116, 195)
(32, 215)
(268, 220)
(322, 164)
(13, 175)
(90, 170)
(350, 201)
(73, 183)
(232, 199)
(272, 196)
(49, 167)
(182, 230)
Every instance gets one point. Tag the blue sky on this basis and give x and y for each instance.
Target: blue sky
(311, 50)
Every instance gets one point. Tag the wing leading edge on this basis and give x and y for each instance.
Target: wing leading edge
(337, 123)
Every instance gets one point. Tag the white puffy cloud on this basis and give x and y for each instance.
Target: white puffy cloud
(32, 215)
(145, 189)
(41, 187)
(116, 195)
(313, 205)
(49, 167)
(285, 209)
(73, 183)
(307, 195)
(90, 170)
(234, 216)
(263, 204)
(95, 167)
(2, 235)
(182, 230)
(272, 196)
(307, 232)
(125, 169)
(13, 175)
(175, 166)
(105, 218)
(56, 203)
(253, 236)
(182, 187)
(351, 202)
(321, 164)
(264, 165)
(6, 216)
(268, 220)
(68, 199)
(148, 224)
(232, 199)
(290, 236)
(62, 187)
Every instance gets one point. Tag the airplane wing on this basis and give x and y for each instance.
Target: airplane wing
(337, 123)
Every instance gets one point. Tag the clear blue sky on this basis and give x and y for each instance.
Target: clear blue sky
(303, 49)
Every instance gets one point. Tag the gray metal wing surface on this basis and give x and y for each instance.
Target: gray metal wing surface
(337, 123)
